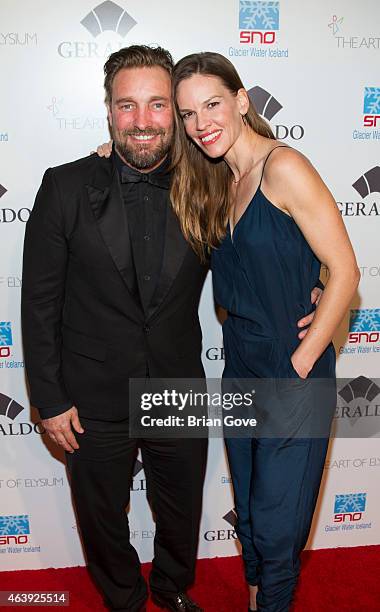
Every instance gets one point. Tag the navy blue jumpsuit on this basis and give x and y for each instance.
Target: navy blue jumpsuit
(263, 276)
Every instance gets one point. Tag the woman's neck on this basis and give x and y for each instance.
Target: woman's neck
(243, 154)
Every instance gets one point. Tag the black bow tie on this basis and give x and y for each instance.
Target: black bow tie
(159, 177)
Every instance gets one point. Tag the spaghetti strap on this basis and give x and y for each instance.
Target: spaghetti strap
(266, 159)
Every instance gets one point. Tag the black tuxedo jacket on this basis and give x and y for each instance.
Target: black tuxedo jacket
(84, 330)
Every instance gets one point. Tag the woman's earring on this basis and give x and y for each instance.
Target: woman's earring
(244, 119)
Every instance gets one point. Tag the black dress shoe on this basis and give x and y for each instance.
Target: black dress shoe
(177, 602)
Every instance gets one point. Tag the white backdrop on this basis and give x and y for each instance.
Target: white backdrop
(318, 64)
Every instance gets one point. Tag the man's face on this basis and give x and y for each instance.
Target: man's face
(141, 116)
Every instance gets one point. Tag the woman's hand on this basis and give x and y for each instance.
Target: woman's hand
(105, 149)
(300, 366)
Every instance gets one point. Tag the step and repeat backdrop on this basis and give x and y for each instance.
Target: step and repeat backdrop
(312, 70)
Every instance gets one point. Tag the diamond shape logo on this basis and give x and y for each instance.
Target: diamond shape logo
(360, 387)
(137, 468)
(108, 16)
(8, 407)
(231, 518)
(369, 182)
(264, 103)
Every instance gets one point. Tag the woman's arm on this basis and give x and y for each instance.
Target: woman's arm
(297, 189)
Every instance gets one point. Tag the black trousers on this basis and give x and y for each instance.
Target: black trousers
(101, 473)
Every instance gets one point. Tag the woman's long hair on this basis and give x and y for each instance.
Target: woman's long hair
(200, 192)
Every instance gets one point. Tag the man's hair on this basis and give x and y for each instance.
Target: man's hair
(135, 56)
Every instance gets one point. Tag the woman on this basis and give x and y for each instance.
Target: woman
(269, 220)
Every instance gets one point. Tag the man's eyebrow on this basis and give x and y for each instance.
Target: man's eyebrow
(131, 99)
(183, 110)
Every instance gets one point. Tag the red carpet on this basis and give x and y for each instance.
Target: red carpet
(335, 580)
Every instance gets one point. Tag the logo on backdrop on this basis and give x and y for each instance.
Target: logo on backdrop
(4, 137)
(17, 38)
(5, 338)
(342, 463)
(369, 182)
(335, 24)
(11, 282)
(371, 108)
(365, 185)
(360, 387)
(258, 21)
(104, 18)
(138, 479)
(6, 343)
(64, 121)
(9, 424)
(370, 117)
(349, 510)
(359, 396)
(268, 106)
(259, 25)
(33, 483)
(9, 215)
(369, 272)
(345, 41)
(108, 16)
(15, 535)
(364, 331)
(14, 529)
(215, 353)
(222, 535)
(349, 507)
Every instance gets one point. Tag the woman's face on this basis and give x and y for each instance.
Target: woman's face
(211, 114)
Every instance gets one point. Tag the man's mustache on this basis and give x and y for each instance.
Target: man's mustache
(147, 132)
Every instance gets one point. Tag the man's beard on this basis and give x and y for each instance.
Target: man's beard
(140, 155)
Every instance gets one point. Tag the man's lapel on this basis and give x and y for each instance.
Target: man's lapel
(106, 201)
(175, 249)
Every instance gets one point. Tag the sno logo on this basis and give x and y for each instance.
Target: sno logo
(364, 326)
(350, 502)
(371, 101)
(349, 507)
(259, 15)
(258, 21)
(371, 108)
(265, 104)
(108, 16)
(365, 319)
(14, 525)
(369, 182)
(14, 529)
(5, 338)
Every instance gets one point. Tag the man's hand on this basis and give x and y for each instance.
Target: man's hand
(60, 431)
(316, 295)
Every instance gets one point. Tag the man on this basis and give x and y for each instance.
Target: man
(111, 292)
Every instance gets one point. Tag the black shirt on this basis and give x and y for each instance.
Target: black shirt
(145, 196)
